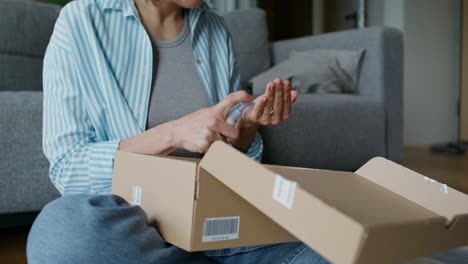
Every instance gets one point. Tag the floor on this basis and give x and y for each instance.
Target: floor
(449, 169)
(13, 245)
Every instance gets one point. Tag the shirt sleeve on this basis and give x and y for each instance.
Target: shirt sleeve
(78, 164)
(255, 150)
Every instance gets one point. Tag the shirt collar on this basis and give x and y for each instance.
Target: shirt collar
(194, 16)
(128, 8)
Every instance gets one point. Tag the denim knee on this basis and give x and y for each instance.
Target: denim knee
(82, 229)
(304, 255)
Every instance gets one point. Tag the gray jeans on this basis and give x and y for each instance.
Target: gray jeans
(106, 229)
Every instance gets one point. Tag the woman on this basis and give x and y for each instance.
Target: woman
(146, 76)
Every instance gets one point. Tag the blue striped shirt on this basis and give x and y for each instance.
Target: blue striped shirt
(97, 83)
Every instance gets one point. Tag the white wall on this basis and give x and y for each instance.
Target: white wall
(223, 6)
(430, 87)
(318, 10)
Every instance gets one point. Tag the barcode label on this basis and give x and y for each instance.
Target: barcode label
(136, 195)
(283, 191)
(221, 228)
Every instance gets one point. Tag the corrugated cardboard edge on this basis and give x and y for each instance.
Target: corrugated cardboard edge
(416, 188)
(194, 208)
(151, 161)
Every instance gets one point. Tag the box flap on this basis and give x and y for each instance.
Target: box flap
(368, 204)
(430, 194)
(358, 198)
(342, 215)
(328, 230)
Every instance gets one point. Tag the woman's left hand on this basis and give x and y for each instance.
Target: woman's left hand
(272, 107)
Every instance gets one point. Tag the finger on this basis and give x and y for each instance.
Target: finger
(270, 94)
(228, 131)
(253, 114)
(259, 108)
(294, 95)
(220, 137)
(205, 144)
(278, 103)
(204, 148)
(230, 100)
(287, 100)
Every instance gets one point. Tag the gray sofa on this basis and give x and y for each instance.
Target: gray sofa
(325, 131)
(25, 29)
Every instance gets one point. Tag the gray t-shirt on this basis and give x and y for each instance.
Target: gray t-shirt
(177, 88)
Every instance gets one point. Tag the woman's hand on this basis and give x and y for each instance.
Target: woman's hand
(197, 131)
(272, 107)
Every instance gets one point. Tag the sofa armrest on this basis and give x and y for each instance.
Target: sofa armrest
(24, 181)
(381, 74)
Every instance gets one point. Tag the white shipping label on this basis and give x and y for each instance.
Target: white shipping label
(221, 228)
(136, 194)
(283, 191)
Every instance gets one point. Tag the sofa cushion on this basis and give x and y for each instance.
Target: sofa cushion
(327, 131)
(20, 73)
(316, 71)
(338, 70)
(250, 36)
(26, 26)
(25, 30)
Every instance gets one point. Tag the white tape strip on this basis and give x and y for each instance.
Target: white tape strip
(283, 191)
(444, 188)
(429, 180)
(136, 194)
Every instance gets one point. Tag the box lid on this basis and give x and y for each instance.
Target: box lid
(428, 193)
(339, 214)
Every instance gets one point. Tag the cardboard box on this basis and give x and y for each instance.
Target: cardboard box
(180, 197)
(382, 213)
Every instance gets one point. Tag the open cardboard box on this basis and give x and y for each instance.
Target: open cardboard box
(382, 213)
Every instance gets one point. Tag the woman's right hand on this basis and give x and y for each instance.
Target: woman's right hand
(194, 132)
(197, 131)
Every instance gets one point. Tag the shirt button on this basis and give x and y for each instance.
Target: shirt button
(198, 61)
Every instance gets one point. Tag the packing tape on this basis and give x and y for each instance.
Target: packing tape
(443, 187)
(429, 180)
